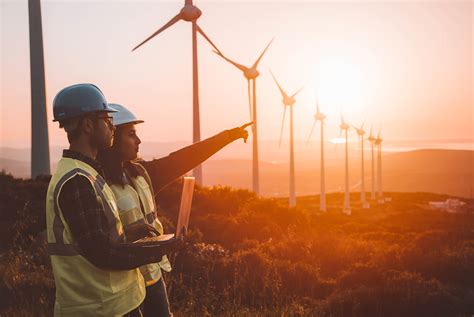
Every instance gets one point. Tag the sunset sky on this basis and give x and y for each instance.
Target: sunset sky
(405, 66)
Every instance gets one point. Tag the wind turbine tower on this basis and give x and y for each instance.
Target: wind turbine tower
(360, 133)
(251, 75)
(319, 116)
(40, 164)
(347, 205)
(189, 13)
(289, 101)
(378, 143)
(372, 139)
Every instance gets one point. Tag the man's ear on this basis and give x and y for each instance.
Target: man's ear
(87, 125)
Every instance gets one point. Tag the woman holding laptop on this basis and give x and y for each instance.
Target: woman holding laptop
(135, 182)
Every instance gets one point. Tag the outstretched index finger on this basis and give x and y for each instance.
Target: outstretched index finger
(246, 125)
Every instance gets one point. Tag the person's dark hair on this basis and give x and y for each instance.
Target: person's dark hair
(111, 162)
(71, 126)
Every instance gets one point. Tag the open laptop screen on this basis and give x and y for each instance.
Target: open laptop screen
(183, 217)
(185, 207)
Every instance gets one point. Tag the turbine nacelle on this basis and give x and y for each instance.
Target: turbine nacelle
(319, 116)
(344, 126)
(378, 140)
(289, 101)
(190, 13)
(251, 73)
(360, 132)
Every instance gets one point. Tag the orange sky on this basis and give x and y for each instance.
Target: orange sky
(407, 66)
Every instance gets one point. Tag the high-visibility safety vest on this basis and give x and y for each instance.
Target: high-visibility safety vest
(136, 204)
(83, 289)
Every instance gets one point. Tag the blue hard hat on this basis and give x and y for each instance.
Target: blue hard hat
(123, 115)
(78, 100)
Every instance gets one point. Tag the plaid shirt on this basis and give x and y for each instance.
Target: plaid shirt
(86, 219)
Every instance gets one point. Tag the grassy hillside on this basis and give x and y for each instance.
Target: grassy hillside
(249, 256)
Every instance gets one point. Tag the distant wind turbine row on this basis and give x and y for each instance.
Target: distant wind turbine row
(191, 13)
(376, 183)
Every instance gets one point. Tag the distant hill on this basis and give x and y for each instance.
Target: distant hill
(15, 167)
(438, 171)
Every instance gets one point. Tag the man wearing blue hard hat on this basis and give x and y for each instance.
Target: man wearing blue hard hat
(95, 271)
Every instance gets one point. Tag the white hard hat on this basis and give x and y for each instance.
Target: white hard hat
(123, 115)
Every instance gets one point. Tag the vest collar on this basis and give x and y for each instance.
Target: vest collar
(78, 156)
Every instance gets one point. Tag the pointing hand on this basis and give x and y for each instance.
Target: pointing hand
(240, 132)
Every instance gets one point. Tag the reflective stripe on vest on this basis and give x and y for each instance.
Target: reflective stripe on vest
(59, 247)
(83, 289)
(130, 210)
(144, 188)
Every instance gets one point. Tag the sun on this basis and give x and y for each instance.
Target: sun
(338, 140)
(343, 84)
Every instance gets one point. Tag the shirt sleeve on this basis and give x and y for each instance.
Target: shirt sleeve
(85, 217)
(166, 169)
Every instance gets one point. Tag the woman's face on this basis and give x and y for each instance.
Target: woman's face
(129, 142)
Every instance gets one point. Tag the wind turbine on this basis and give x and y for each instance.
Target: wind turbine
(360, 133)
(40, 163)
(372, 139)
(289, 101)
(319, 116)
(251, 75)
(378, 143)
(189, 13)
(347, 206)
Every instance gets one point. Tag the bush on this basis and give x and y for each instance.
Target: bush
(250, 256)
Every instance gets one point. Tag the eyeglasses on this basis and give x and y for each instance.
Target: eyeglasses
(108, 120)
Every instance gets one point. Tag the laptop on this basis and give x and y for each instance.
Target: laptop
(183, 217)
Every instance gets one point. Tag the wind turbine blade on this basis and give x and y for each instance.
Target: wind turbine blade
(206, 37)
(261, 55)
(239, 66)
(311, 132)
(164, 27)
(279, 87)
(250, 102)
(297, 92)
(282, 125)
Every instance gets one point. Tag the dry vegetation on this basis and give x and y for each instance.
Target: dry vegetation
(249, 256)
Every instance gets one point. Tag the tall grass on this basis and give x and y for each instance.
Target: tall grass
(249, 256)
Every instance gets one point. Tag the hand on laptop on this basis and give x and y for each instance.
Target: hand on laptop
(140, 230)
